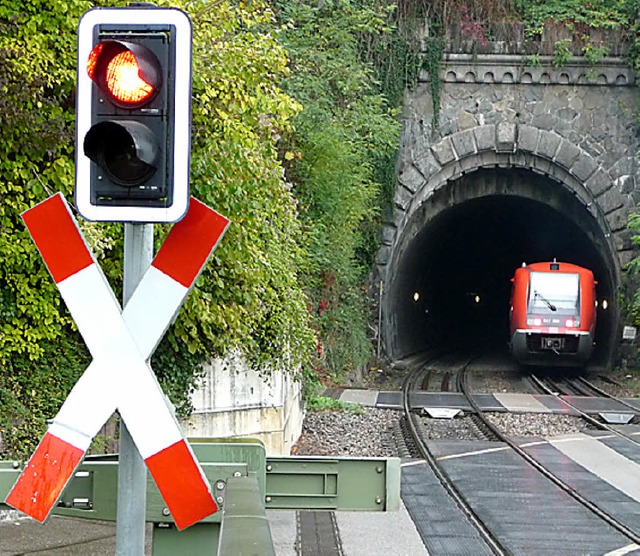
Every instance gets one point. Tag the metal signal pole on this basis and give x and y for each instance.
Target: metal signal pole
(132, 471)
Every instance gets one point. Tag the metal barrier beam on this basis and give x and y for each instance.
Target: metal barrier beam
(91, 493)
(244, 482)
(9, 473)
(326, 483)
(245, 528)
(311, 483)
(200, 539)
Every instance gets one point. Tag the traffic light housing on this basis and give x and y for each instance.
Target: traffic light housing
(133, 114)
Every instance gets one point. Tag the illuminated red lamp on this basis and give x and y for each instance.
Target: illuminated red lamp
(129, 74)
(133, 114)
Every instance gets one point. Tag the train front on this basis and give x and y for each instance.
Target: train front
(552, 314)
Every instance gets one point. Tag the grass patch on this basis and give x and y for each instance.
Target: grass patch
(323, 403)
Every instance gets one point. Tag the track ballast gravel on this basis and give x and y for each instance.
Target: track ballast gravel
(371, 434)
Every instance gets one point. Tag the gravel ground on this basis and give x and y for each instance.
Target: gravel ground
(502, 382)
(537, 424)
(342, 433)
(517, 425)
(372, 432)
(618, 383)
(459, 428)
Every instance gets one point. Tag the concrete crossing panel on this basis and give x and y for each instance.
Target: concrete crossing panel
(602, 461)
(521, 403)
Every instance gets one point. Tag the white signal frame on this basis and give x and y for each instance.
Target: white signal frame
(182, 114)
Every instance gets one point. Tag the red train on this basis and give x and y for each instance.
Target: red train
(553, 314)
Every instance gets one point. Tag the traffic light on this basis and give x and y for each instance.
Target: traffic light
(133, 114)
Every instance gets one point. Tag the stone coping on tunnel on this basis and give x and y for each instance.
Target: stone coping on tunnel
(525, 69)
(544, 151)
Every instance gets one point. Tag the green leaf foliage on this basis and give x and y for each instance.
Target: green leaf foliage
(345, 132)
(633, 10)
(321, 403)
(31, 391)
(37, 78)
(631, 303)
(596, 14)
(294, 137)
(248, 299)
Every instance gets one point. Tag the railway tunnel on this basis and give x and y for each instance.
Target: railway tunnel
(451, 283)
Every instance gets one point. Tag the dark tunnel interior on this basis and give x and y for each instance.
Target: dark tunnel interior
(453, 283)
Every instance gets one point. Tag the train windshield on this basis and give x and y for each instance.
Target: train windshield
(554, 292)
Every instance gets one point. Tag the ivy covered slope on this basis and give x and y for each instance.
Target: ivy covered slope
(249, 297)
(39, 353)
(345, 136)
(294, 171)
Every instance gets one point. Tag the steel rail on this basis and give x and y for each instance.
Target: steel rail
(599, 512)
(591, 420)
(485, 533)
(606, 394)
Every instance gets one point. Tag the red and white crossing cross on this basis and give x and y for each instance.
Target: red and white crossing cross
(119, 376)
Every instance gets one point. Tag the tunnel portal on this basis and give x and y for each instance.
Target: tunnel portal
(451, 283)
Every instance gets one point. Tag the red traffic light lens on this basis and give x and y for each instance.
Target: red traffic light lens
(129, 74)
(124, 82)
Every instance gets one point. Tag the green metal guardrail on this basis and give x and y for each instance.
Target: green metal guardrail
(9, 472)
(244, 511)
(245, 482)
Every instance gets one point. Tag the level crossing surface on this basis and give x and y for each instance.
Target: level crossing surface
(530, 513)
(524, 403)
(358, 534)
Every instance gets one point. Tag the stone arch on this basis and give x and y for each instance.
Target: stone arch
(510, 145)
(507, 146)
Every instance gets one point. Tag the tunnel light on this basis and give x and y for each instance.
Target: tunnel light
(605, 304)
(416, 296)
(477, 299)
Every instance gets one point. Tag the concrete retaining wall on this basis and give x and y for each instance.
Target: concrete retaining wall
(235, 401)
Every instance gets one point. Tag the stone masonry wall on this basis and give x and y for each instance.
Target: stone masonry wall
(574, 123)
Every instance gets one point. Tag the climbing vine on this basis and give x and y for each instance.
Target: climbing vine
(345, 131)
(434, 50)
(295, 131)
(249, 298)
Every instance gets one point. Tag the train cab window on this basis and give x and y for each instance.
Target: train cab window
(554, 292)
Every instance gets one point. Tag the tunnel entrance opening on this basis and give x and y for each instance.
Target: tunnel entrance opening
(451, 283)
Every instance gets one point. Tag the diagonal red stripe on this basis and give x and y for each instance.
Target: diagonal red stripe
(57, 237)
(182, 485)
(190, 242)
(41, 483)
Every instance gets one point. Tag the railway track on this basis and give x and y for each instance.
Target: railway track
(631, 534)
(418, 440)
(581, 386)
(493, 541)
